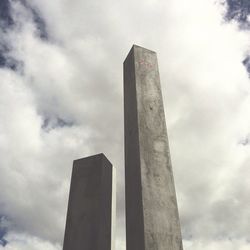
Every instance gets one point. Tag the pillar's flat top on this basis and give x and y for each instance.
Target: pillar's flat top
(92, 157)
(137, 47)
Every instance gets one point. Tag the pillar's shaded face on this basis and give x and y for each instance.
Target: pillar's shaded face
(89, 218)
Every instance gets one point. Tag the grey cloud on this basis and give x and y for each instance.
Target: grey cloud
(246, 63)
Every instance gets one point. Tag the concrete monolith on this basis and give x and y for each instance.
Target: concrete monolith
(89, 218)
(152, 220)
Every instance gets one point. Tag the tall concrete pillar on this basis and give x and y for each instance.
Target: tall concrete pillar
(152, 220)
(89, 217)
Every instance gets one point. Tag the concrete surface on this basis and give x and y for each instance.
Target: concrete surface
(152, 220)
(89, 217)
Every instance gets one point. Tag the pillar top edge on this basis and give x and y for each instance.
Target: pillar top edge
(142, 48)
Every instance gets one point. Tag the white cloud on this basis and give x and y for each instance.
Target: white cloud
(218, 245)
(76, 76)
(26, 242)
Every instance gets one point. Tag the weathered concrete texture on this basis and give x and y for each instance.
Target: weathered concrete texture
(88, 225)
(152, 220)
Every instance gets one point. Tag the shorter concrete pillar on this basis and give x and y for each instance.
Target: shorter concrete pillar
(89, 217)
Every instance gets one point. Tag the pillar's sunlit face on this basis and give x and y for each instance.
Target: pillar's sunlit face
(152, 218)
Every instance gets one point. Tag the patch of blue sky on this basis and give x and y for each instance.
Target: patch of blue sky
(5, 14)
(51, 123)
(3, 231)
(38, 20)
(239, 10)
(6, 24)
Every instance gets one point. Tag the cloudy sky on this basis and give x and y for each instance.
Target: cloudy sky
(61, 99)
